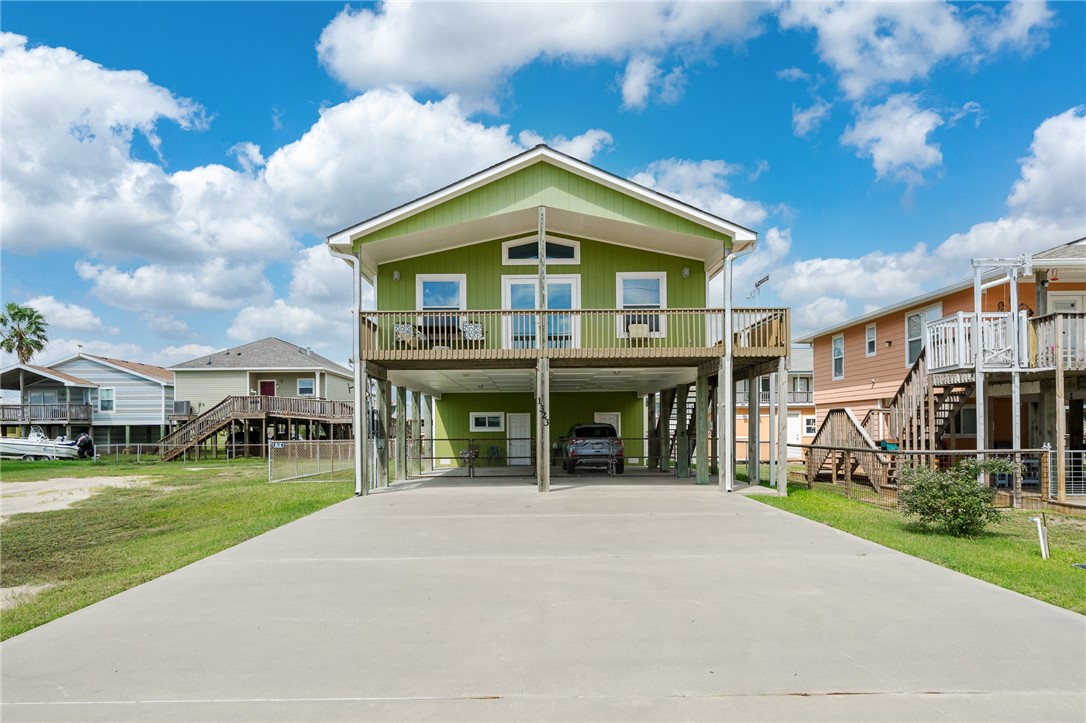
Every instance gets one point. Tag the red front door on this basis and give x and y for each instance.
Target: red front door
(267, 388)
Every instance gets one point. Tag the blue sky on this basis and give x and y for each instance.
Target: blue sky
(170, 170)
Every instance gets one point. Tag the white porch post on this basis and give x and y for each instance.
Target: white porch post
(726, 388)
(978, 367)
(361, 429)
(782, 427)
(754, 429)
(771, 459)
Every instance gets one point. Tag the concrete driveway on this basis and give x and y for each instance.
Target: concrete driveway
(482, 601)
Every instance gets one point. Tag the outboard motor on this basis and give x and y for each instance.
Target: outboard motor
(85, 445)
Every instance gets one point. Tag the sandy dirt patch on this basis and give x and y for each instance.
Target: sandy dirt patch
(56, 494)
(12, 596)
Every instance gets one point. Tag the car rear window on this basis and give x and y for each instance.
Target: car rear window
(599, 430)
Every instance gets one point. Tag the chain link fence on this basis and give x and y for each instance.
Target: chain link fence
(311, 461)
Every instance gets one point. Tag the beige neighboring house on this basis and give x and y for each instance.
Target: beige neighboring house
(248, 394)
(270, 367)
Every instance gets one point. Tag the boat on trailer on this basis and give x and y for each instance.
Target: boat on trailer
(37, 446)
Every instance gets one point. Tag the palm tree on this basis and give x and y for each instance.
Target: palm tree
(23, 329)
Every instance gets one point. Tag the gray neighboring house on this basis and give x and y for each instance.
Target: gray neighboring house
(115, 400)
(269, 367)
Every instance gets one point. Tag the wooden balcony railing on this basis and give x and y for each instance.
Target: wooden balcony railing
(56, 413)
(950, 341)
(578, 333)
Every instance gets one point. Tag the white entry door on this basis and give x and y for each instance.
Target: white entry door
(795, 436)
(612, 418)
(518, 442)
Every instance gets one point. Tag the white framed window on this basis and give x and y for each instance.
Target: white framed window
(525, 252)
(810, 426)
(870, 340)
(837, 353)
(106, 400)
(307, 387)
(441, 292)
(639, 292)
(915, 321)
(487, 422)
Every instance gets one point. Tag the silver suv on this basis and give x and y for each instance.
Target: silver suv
(592, 444)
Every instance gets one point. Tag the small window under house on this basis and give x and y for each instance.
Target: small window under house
(526, 253)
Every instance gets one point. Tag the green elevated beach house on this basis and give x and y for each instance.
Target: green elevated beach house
(539, 293)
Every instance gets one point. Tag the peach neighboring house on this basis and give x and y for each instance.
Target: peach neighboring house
(908, 371)
(799, 405)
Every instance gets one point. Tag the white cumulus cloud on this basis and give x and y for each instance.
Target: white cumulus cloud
(70, 317)
(702, 184)
(874, 44)
(435, 46)
(895, 136)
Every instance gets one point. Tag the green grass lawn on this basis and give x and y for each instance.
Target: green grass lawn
(121, 537)
(1006, 553)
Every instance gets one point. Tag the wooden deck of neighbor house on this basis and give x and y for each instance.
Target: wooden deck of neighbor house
(252, 415)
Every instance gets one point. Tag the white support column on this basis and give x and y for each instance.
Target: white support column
(701, 429)
(542, 425)
(726, 387)
(978, 367)
(361, 430)
(773, 439)
(426, 464)
(754, 428)
(782, 427)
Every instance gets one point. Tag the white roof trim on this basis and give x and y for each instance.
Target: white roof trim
(740, 235)
(45, 372)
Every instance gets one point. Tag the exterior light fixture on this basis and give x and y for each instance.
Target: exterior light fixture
(396, 275)
(686, 272)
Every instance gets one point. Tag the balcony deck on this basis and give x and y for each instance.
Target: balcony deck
(45, 413)
(950, 342)
(579, 337)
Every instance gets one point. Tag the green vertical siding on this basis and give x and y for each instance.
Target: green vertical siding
(452, 429)
(482, 263)
(543, 185)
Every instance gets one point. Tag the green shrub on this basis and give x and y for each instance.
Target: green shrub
(952, 500)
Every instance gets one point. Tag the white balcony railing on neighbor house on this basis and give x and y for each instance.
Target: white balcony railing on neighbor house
(569, 333)
(950, 341)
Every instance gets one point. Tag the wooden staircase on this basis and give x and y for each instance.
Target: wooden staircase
(840, 429)
(236, 408)
(924, 405)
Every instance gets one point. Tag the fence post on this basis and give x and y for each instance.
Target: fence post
(848, 474)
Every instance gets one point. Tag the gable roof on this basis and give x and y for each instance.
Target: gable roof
(150, 372)
(269, 353)
(694, 233)
(9, 377)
